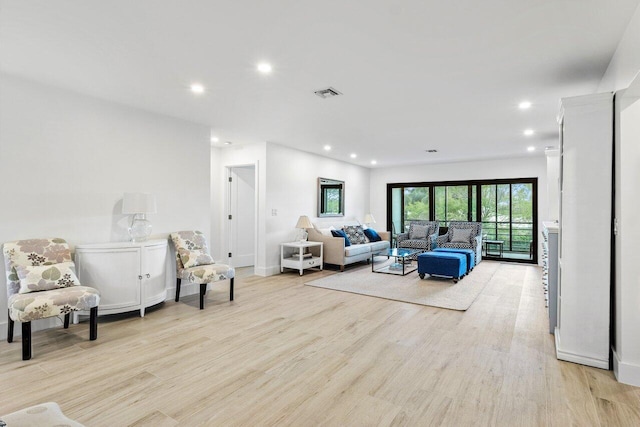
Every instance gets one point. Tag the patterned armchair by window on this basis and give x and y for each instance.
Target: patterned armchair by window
(195, 265)
(421, 235)
(463, 235)
(41, 283)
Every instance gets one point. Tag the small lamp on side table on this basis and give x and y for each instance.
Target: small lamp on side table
(139, 205)
(368, 219)
(303, 224)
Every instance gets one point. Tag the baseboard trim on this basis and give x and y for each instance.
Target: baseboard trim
(626, 373)
(267, 271)
(576, 358)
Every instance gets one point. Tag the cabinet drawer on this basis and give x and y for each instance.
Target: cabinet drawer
(311, 262)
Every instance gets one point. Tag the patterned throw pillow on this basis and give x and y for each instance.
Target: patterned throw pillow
(46, 277)
(461, 235)
(195, 257)
(355, 234)
(418, 231)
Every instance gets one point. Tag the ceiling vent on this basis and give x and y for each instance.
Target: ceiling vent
(327, 93)
(431, 151)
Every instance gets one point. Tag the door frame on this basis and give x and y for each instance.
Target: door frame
(227, 211)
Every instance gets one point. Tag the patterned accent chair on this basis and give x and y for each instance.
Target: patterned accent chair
(195, 265)
(417, 237)
(41, 283)
(463, 239)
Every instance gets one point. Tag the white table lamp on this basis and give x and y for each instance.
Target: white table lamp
(303, 223)
(139, 205)
(369, 219)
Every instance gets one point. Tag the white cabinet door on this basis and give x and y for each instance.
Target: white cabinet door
(130, 276)
(154, 280)
(114, 272)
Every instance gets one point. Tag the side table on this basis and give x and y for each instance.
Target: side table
(497, 244)
(299, 260)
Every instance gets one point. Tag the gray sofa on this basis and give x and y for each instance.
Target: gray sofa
(334, 249)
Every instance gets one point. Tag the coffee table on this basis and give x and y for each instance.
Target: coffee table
(402, 265)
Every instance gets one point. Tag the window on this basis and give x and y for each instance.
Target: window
(506, 208)
(452, 203)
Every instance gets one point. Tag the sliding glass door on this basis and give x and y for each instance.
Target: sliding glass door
(507, 209)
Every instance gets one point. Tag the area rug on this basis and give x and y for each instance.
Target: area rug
(432, 291)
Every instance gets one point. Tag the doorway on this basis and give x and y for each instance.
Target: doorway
(242, 215)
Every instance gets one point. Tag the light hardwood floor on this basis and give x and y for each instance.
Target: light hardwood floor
(287, 354)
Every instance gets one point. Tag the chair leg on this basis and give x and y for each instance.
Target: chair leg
(10, 328)
(93, 324)
(66, 320)
(26, 340)
(203, 291)
(178, 282)
(231, 289)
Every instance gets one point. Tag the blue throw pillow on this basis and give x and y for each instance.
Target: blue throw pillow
(341, 233)
(372, 235)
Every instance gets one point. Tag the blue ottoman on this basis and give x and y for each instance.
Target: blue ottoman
(470, 253)
(448, 264)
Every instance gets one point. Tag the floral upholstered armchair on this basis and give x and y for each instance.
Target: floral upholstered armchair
(195, 265)
(41, 283)
(463, 235)
(421, 235)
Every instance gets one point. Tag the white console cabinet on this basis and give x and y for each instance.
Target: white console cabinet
(130, 276)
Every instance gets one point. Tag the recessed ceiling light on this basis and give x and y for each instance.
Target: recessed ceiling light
(532, 148)
(197, 88)
(327, 148)
(228, 143)
(528, 132)
(524, 105)
(373, 162)
(264, 67)
(353, 155)
(214, 139)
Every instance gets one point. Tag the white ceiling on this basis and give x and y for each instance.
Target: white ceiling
(415, 74)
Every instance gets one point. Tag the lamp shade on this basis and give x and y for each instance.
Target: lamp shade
(369, 219)
(135, 203)
(304, 222)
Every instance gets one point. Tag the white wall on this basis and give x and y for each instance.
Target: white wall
(625, 64)
(292, 190)
(66, 160)
(627, 285)
(523, 167)
(553, 185)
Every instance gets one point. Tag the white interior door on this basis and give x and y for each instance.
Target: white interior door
(242, 196)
